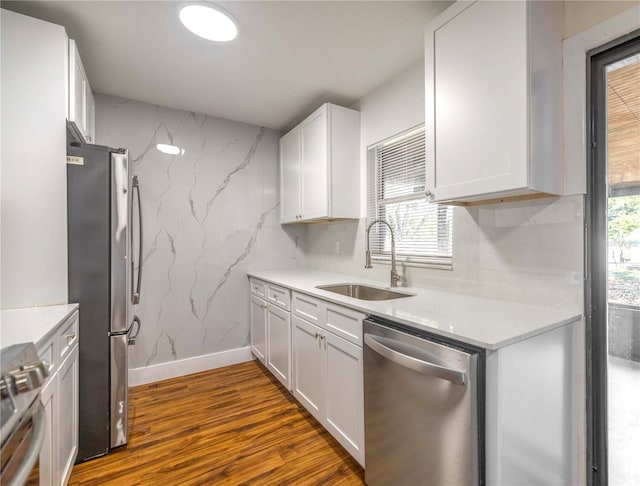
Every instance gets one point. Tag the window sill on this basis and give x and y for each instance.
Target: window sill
(433, 263)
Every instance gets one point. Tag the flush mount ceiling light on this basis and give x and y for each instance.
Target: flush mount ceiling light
(208, 21)
(169, 149)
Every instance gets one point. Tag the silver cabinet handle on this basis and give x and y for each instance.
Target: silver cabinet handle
(135, 293)
(456, 377)
(70, 337)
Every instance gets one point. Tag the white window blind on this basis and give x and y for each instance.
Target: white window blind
(397, 195)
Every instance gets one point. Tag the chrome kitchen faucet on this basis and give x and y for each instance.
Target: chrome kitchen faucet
(395, 276)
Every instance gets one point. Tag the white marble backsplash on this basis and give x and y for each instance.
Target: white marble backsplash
(209, 214)
(527, 251)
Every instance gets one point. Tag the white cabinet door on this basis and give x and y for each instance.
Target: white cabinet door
(48, 461)
(320, 167)
(290, 176)
(279, 344)
(90, 113)
(67, 446)
(314, 166)
(308, 366)
(82, 105)
(258, 328)
(77, 89)
(479, 101)
(493, 94)
(344, 409)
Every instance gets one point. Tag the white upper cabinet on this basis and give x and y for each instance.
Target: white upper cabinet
(90, 114)
(314, 166)
(494, 101)
(81, 101)
(290, 176)
(320, 167)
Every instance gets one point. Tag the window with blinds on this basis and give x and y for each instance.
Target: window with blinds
(397, 195)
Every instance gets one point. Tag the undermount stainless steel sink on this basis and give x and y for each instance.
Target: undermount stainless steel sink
(364, 292)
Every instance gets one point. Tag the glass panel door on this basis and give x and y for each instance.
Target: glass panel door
(613, 268)
(623, 268)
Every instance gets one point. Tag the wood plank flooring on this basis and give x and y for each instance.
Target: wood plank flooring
(229, 426)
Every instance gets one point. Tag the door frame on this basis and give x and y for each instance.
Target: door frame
(596, 304)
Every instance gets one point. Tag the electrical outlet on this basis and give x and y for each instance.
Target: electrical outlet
(337, 247)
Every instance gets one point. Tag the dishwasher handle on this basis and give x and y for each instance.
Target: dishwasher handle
(457, 377)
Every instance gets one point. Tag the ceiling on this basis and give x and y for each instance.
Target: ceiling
(289, 57)
(623, 124)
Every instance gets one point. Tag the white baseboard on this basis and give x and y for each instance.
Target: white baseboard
(173, 369)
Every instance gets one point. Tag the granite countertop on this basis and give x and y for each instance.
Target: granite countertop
(487, 323)
(32, 324)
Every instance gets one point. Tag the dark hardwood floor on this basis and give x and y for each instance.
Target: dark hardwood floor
(233, 425)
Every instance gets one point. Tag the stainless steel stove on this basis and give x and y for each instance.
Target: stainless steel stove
(21, 413)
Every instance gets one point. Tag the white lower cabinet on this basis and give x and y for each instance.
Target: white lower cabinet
(59, 396)
(68, 416)
(327, 381)
(271, 328)
(47, 465)
(320, 362)
(279, 344)
(344, 398)
(309, 367)
(258, 328)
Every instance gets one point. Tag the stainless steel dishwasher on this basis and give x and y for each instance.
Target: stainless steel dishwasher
(421, 397)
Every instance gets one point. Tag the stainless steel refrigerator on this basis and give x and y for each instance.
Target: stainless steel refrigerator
(104, 230)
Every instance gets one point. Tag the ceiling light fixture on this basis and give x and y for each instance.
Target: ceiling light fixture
(208, 21)
(169, 149)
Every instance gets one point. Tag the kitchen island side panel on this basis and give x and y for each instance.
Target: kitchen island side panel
(531, 409)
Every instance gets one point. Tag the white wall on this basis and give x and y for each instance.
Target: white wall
(393, 107)
(34, 169)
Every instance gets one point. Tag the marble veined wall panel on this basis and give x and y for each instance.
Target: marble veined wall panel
(210, 213)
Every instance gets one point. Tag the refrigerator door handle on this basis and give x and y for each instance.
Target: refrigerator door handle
(135, 293)
(131, 336)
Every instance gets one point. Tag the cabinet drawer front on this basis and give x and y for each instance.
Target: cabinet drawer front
(47, 353)
(279, 296)
(308, 308)
(68, 335)
(344, 322)
(258, 287)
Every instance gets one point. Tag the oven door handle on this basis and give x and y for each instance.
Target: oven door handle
(33, 452)
(457, 377)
